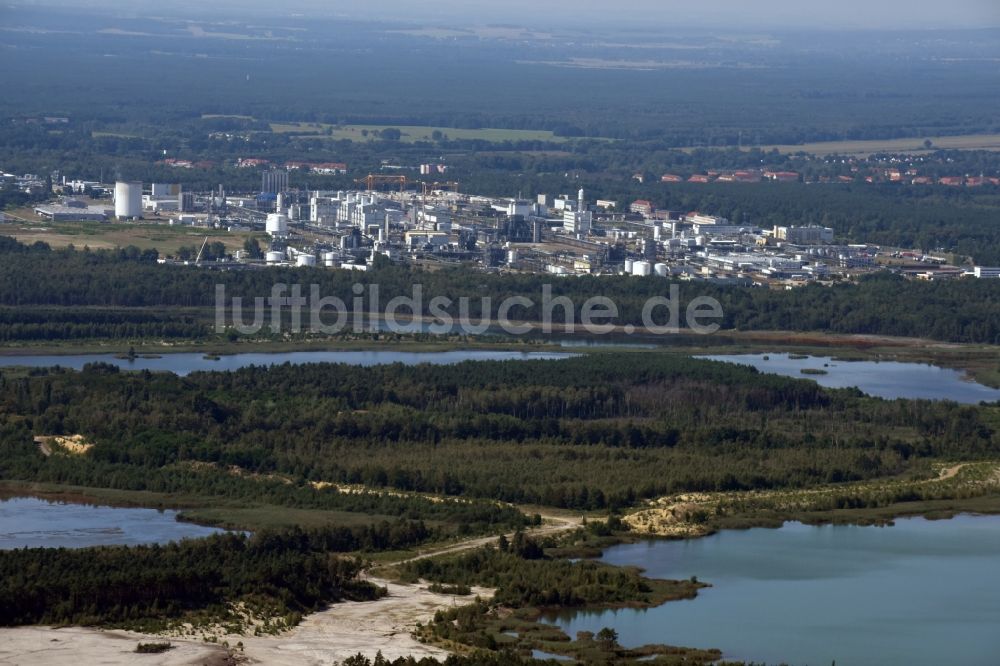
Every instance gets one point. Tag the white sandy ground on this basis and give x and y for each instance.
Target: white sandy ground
(346, 629)
(332, 635)
(343, 630)
(77, 646)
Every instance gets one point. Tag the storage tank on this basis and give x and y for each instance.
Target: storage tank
(274, 257)
(305, 260)
(641, 268)
(629, 264)
(277, 224)
(128, 200)
(661, 270)
(330, 259)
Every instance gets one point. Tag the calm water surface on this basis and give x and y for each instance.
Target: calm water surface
(29, 522)
(920, 593)
(883, 379)
(182, 364)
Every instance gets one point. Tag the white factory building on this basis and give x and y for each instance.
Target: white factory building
(811, 235)
(578, 220)
(72, 210)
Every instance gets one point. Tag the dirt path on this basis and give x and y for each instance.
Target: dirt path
(349, 628)
(343, 630)
(950, 472)
(674, 515)
(550, 525)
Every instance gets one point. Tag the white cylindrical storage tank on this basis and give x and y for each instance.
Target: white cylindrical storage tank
(274, 257)
(512, 256)
(305, 260)
(661, 270)
(277, 224)
(330, 259)
(629, 264)
(641, 268)
(128, 200)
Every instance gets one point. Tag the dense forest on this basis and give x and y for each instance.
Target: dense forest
(135, 586)
(586, 432)
(148, 300)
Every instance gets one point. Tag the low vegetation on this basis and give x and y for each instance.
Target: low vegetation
(528, 580)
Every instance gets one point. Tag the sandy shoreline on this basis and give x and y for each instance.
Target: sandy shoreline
(343, 630)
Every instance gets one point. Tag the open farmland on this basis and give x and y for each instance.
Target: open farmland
(411, 133)
(913, 145)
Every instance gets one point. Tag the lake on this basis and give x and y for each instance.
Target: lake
(920, 593)
(29, 522)
(185, 363)
(883, 379)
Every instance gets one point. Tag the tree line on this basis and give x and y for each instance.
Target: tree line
(879, 304)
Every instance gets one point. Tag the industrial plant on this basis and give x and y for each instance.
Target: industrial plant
(436, 224)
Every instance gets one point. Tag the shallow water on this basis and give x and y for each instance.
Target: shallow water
(883, 379)
(29, 522)
(186, 363)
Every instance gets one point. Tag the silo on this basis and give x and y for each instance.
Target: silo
(305, 260)
(128, 200)
(629, 264)
(641, 268)
(330, 259)
(277, 224)
(661, 270)
(274, 257)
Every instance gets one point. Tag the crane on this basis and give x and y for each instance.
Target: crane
(197, 259)
(450, 185)
(378, 179)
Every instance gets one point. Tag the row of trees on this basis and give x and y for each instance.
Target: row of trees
(881, 304)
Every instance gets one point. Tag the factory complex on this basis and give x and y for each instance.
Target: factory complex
(564, 234)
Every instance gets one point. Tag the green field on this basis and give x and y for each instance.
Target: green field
(914, 145)
(411, 133)
(99, 235)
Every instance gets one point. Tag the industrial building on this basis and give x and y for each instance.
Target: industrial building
(128, 200)
(810, 235)
(274, 181)
(72, 210)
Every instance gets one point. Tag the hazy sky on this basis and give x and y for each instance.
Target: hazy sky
(729, 13)
(751, 14)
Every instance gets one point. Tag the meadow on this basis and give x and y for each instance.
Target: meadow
(862, 148)
(412, 133)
